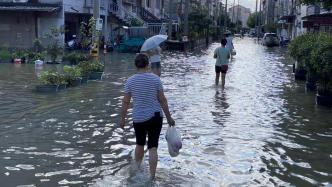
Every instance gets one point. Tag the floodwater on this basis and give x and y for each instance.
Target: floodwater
(264, 129)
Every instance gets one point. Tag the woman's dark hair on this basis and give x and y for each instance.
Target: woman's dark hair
(223, 42)
(141, 61)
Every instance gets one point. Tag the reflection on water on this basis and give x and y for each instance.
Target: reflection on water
(263, 129)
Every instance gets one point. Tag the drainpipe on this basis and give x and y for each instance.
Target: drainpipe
(170, 19)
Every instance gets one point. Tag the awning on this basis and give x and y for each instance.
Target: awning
(317, 19)
(29, 7)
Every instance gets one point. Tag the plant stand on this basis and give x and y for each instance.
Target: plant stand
(300, 74)
(47, 88)
(62, 87)
(84, 80)
(95, 75)
(76, 82)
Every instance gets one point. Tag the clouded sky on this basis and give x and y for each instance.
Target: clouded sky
(246, 3)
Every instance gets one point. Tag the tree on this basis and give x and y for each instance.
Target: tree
(252, 20)
(327, 4)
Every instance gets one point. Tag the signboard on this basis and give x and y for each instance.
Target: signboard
(99, 24)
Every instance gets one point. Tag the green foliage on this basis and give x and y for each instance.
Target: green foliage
(37, 45)
(327, 4)
(85, 67)
(301, 46)
(96, 67)
(199, 21)
(135, 22)
(52, 78)
(54, 49)
(321, 59)
(85, 35)
(33, 56)
(272, 27)
(19, 54)
(4, 54)
(252, 20)
(75, 57)
(314, 52)
(72, 71)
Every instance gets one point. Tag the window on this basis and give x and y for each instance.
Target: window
(148, 3)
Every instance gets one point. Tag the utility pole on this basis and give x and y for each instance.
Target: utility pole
(256, 22)
(220, 16)
(225, 26)
(95, 36)
(233, 11)
(170, 23)
(260, 19)
(186, 15)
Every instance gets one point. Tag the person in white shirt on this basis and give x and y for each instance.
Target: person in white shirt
(155, 59)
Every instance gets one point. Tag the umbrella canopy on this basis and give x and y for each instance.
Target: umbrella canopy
(153, 42)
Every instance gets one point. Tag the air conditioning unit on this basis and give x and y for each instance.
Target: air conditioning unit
(20, 1)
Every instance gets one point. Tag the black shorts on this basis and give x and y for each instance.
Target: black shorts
(223, 69)
(152, 128)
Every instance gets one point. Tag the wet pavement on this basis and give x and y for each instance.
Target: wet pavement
(264, 129)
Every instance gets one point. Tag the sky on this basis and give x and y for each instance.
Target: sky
(246, 3)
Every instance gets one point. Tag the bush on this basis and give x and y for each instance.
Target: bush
(74, 57)
(96, 67)
(4, 54)
(90, 66)
(321, 60)
(300, 49)
(33, 56)
(52, 78)
(85, 68)
(54, 49)
(72, 71)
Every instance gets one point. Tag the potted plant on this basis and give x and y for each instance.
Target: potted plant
(85, 70)
(96, 70)
(321, 57)
(33, 56)
(74, 58)
(19, 56)
(51, 81)
(5, 56)
(294, 51)
(54, 48)
(73, 75)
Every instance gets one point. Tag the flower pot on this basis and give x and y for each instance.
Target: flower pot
(95, 75)
(300, 74)
(47, 88)
(62, 87)
(311, 83)
(324, 97)
(76, 82)
(84, 80)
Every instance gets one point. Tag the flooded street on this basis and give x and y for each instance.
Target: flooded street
(264, 129)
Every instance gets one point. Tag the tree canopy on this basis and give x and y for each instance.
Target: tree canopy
(252, 20)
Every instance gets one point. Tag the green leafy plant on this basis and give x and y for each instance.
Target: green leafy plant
(19, 54)
(54, 49)
(72, 71)
(96, 67)
(85, 68)
(75, 57)
(4, 54)
(37, 45)
(52, 78)
(321, 60)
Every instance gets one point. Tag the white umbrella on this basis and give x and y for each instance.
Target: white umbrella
(153, 42)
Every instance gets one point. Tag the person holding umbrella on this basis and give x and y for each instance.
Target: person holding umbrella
(149, 101)
(152, 49)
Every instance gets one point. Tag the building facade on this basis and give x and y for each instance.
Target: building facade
(239, 13)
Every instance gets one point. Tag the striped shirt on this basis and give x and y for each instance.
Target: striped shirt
(144, 88)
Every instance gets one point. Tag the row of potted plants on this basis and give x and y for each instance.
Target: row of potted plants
(52, 81)
(313, 55)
